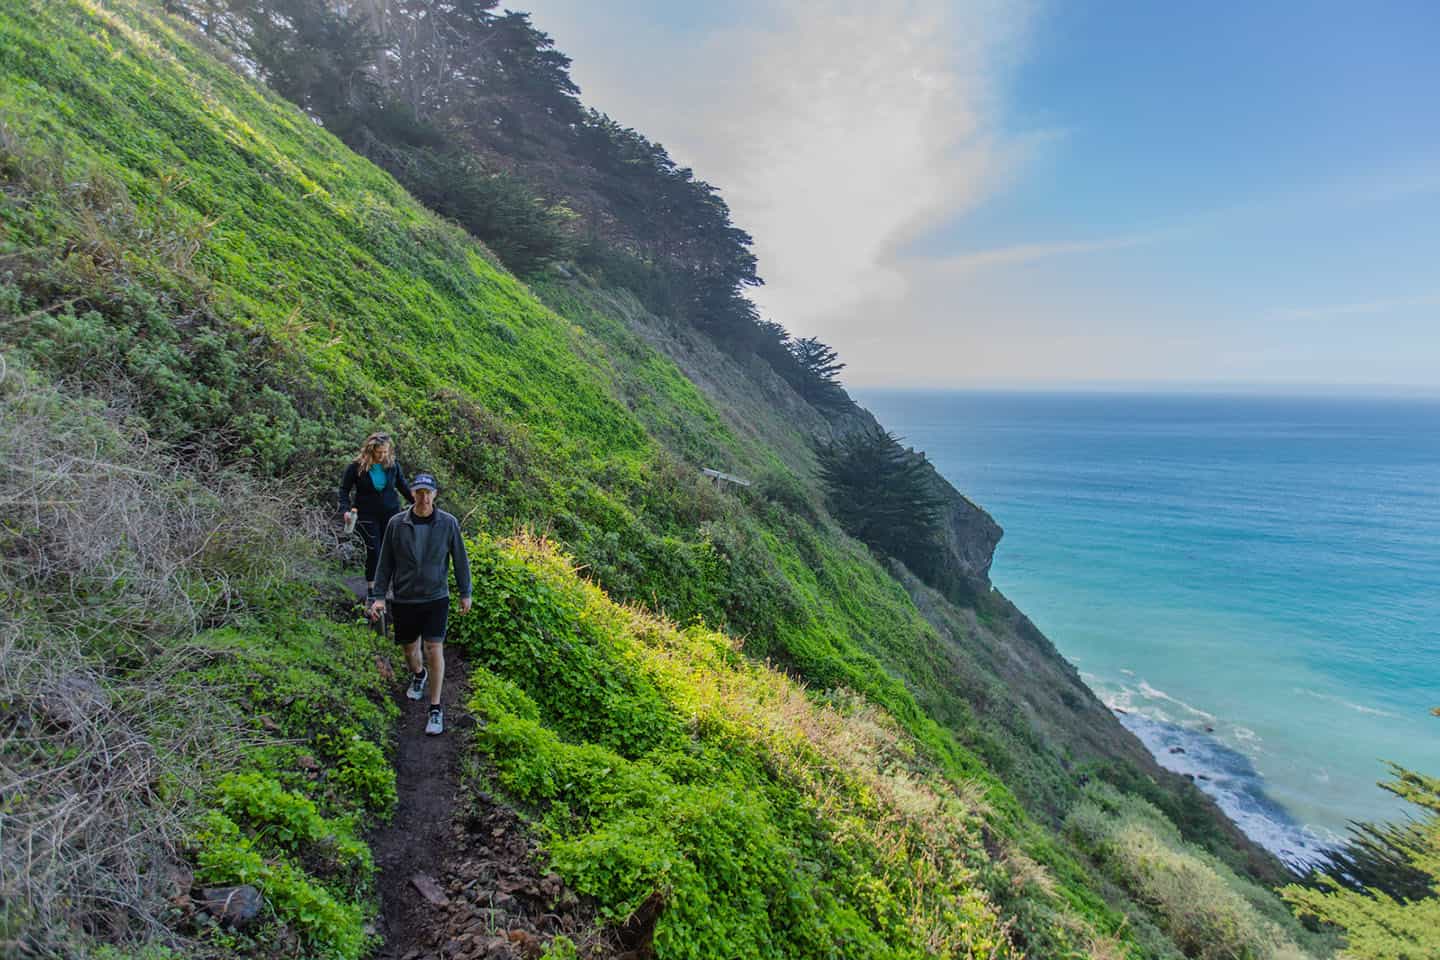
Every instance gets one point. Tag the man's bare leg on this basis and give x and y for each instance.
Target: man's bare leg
(435, 662)
(412, 656)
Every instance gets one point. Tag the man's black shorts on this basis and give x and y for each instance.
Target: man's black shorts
(425, 620)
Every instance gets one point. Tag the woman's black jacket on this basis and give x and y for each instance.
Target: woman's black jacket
(368, 501)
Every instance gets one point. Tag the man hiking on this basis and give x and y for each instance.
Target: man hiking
(414, 565)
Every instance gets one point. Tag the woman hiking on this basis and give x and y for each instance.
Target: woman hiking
(378, 483)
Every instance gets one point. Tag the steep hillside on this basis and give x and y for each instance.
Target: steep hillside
(984, 670)
(215, 298)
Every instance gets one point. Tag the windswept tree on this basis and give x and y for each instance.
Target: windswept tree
(820, 367)
(1376, 856)
(885, 496)
(1396, 913)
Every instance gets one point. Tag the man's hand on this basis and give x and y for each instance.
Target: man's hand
(376, 609)
(464, 604)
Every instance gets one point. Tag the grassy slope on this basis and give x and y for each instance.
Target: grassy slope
(598, 473)
(376, 301)
(770, 823)
(183, 191)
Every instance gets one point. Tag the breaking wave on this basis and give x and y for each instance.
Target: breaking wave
(1187, 740)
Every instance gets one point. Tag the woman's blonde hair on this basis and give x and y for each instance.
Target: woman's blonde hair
(369, 454)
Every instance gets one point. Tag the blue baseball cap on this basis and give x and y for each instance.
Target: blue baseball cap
(423, 481)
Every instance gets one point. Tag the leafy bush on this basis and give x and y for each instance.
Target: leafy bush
(291, 821)
(330, 926)
(195, 374)
(289, 818)
(363, 772)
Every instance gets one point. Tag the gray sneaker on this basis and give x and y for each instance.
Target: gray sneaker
(418, 683)
(436, 723)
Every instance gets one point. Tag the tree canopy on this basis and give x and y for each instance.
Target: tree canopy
(1398, 923)
(820, 366)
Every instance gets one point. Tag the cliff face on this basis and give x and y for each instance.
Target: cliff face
(970, 533)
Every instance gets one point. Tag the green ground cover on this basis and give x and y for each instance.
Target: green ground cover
(290, 816)
(664, 766)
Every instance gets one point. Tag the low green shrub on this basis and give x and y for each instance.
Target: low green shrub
(287, 816)
(196, 373)
(694, 787)
(532, 632)
(291, 822)
(1201, 904)
(363, 771)
(330, 927)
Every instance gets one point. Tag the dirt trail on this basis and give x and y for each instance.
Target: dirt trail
(459, 876)
(415, 843)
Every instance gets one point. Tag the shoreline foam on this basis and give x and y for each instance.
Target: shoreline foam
(1228, 776)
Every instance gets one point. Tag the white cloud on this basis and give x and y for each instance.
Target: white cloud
(840, 132)
(1362, 308)
(836, 131)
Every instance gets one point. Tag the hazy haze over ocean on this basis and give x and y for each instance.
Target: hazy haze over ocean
(1267, 567)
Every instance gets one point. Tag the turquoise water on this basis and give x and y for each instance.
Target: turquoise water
(1252, 583)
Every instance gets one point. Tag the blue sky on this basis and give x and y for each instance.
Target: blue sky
(1013, 193)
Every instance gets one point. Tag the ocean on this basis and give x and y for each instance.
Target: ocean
(1251, 583)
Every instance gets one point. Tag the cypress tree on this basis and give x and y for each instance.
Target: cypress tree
(884, 496)
(819, 367)
(1396, 912)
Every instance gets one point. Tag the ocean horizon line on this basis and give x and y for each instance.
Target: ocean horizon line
(1197, 388)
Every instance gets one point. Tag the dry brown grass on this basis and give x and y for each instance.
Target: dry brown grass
(112, 556)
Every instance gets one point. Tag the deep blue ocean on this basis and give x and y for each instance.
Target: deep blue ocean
(1251, 583)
